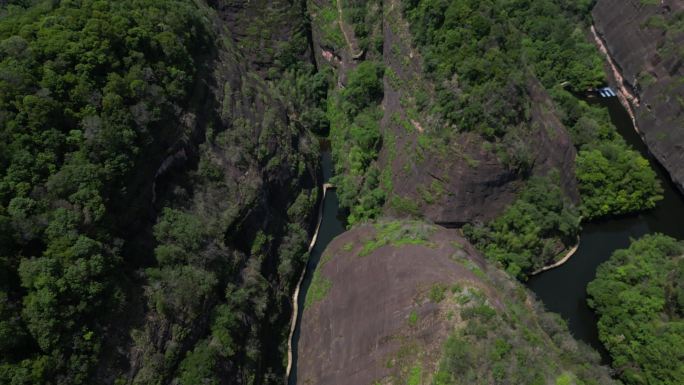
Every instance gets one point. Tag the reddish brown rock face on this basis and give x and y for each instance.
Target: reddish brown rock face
(637, 38)
(476, 185)
(364, 320)
(391, 294)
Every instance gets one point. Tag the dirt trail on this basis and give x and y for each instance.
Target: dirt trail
(355, 53)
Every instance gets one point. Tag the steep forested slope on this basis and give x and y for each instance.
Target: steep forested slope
(156, 193)
(158, 173)
(452, 107)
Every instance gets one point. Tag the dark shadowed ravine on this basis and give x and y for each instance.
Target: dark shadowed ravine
(563, 289)
(331, 226)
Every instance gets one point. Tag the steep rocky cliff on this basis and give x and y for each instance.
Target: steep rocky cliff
(468, 179)
(429, 167)
(178, 202)
(406, 302)
(645, 42)
(248, 191)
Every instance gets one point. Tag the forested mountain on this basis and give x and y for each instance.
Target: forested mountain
(160, 177)
(478, 120)
(156, 192)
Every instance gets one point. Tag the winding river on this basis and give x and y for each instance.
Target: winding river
(563, 289)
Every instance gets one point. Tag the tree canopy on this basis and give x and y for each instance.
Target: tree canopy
(85, 86)
(639, 297)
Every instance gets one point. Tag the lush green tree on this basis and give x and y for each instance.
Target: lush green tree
(356, 138)
(614, 180)
(481, 55)
(86, 85)
(364, 87)
(537, 227)
(637, 294)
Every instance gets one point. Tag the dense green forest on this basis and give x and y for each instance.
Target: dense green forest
(481, 56)
(532, 231)
(139, 153)
(159, 173)
(639, 297)
(85, 87)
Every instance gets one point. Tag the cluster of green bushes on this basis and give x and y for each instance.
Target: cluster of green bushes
(481, 56)
(354, 115)
(639, 297)
(85, 87)
(515, 343)
(537, 227)
(307, 92)
(613, 179)
(363, 15)
(671, 24)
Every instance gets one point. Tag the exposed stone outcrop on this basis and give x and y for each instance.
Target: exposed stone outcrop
(469, 180)
(646, 48)
(348, 337)
(390, 294)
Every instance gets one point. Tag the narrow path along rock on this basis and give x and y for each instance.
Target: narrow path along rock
(352, 50)
(627, 98)
(295, 296)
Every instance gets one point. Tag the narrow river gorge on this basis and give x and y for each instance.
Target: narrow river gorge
(331, 225)
(562, 289)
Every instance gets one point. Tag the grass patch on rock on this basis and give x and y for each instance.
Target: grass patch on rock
(319, 289)
(397, 233)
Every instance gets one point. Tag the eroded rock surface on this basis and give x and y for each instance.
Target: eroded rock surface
(645, 46)
(387, 296)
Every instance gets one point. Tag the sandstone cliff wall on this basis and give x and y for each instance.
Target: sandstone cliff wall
(644, 43)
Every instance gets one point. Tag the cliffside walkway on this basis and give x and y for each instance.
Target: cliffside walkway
(295, 296)
(354, 51)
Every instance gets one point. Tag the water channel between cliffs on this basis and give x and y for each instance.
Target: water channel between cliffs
(330, 227)
(563, 289)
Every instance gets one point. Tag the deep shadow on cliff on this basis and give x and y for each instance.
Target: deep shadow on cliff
(246, 177)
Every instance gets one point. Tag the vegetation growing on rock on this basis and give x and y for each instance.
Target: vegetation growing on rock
(480, 55)
(537, 227)
(356, 139)
(454, 318)
(155, 191)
